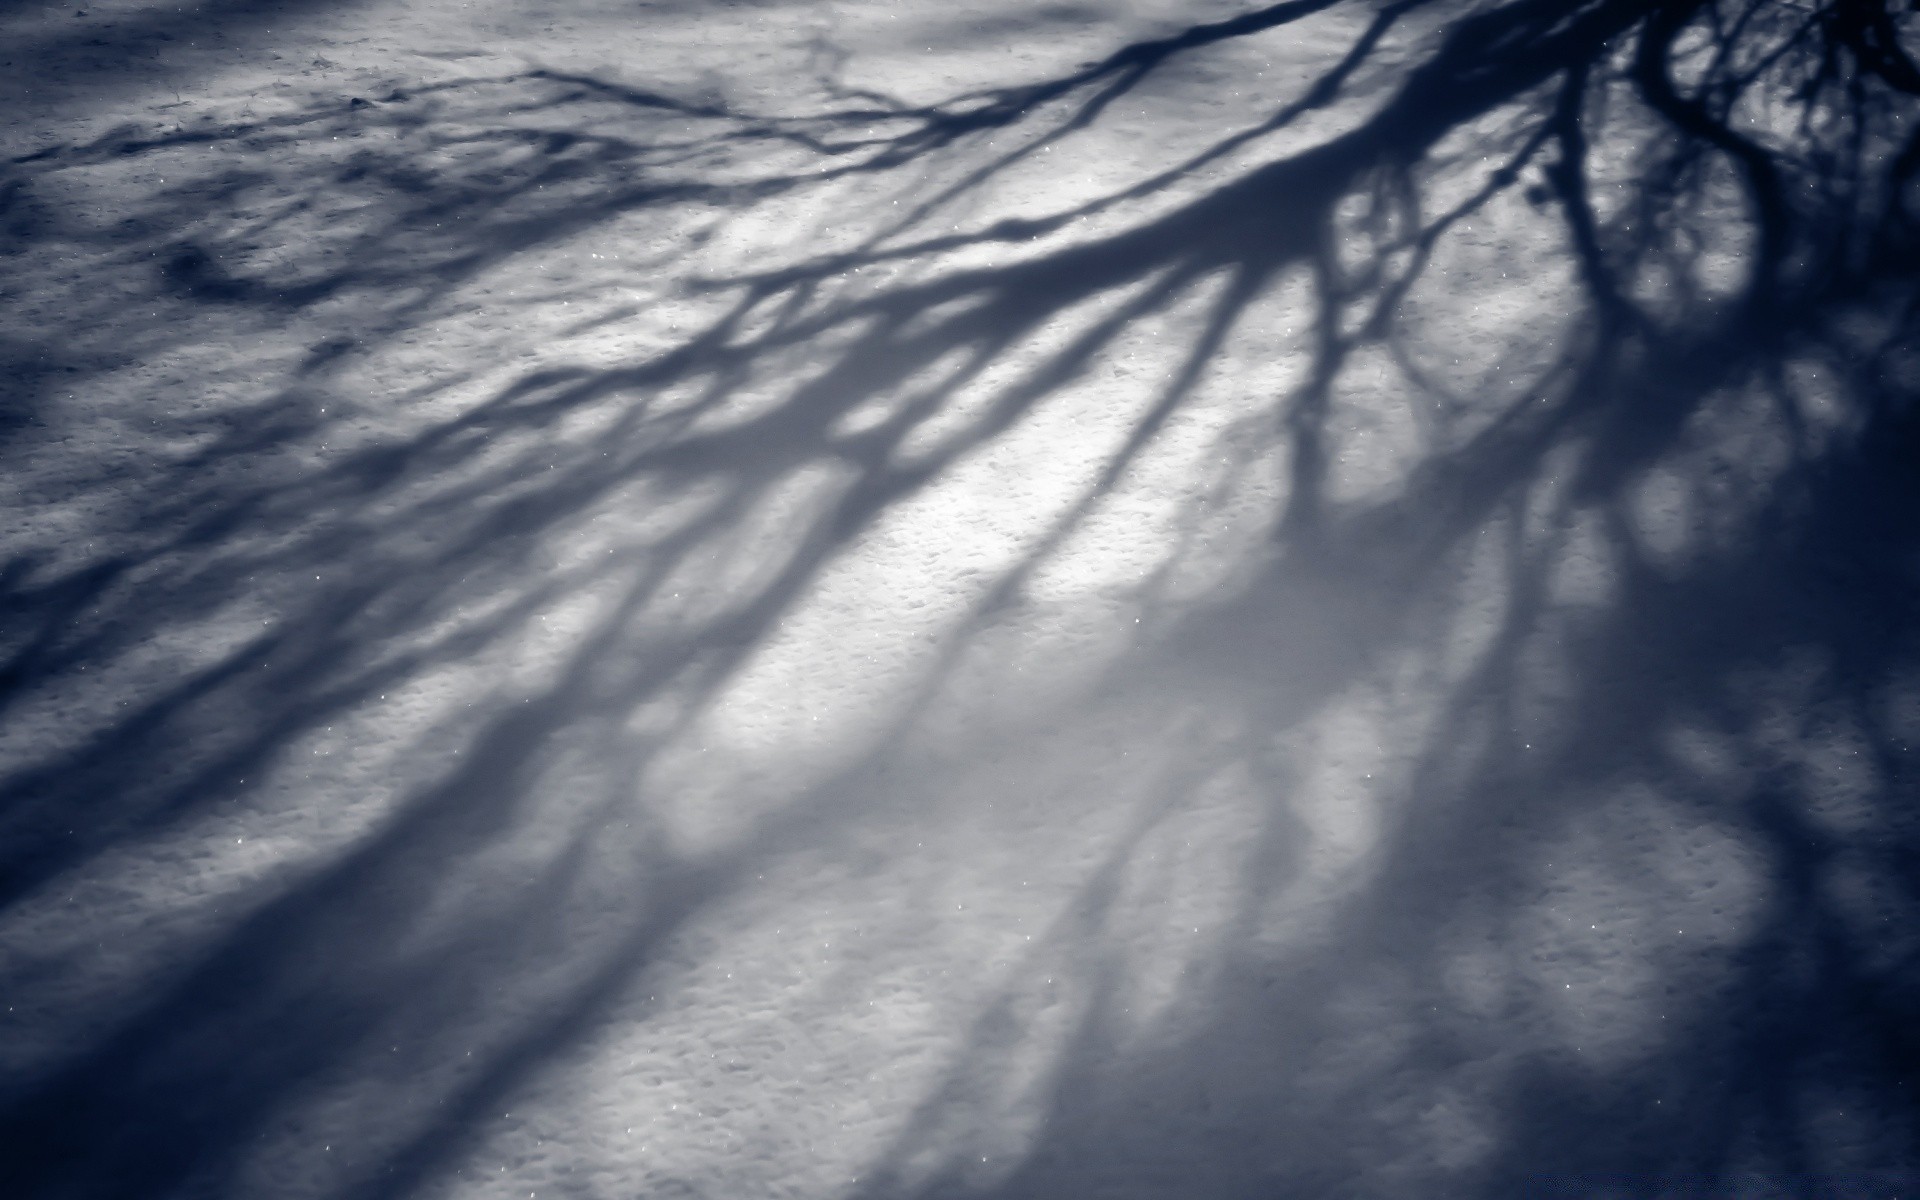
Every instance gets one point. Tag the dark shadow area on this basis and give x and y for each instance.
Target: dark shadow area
(1640, 609)
(101, 55)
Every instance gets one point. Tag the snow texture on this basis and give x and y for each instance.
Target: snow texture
(902, 601)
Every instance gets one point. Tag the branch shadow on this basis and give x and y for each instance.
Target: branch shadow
(1643, 579)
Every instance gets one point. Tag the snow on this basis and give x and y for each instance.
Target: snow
(573, 643)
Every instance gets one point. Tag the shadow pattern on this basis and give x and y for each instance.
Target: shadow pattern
(1640, 604)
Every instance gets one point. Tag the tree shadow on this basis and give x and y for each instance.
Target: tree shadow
(1610, 564)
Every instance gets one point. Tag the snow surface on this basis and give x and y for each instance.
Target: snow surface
(496, 714)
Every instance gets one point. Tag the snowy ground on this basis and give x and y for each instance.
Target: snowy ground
(584, 623)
